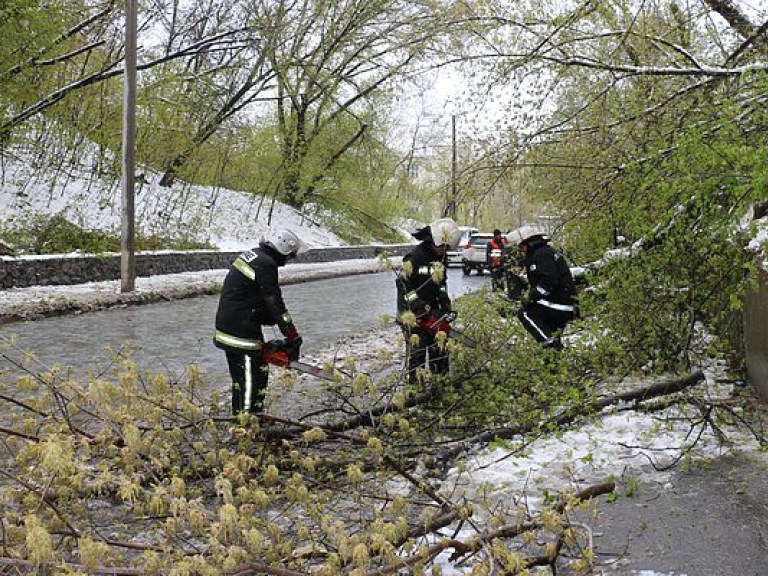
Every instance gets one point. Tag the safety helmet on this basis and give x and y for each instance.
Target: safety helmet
(285, 242)
(445, 231)
(526, 232)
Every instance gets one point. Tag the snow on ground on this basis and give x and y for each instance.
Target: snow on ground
(613, 446)
(38, 301)
(228, 219)
(616, 445)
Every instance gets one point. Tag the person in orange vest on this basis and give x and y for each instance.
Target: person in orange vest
(494, 256)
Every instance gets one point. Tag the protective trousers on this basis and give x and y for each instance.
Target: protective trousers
(416, 355)
(249, 375)
(497, 278)
(543, 323)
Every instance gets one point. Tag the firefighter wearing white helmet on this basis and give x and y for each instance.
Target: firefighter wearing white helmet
(423, 304)
(444, 232)
(525, 233)
(285, 242)
(251, 298)
(551, 302)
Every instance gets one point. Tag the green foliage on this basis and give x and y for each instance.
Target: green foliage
(28, 29)
(184, 488)
(57, 235)
(692, 269)
(673, 181)
(179, 102)
(511, 377)
(46, 54)
(631, 487)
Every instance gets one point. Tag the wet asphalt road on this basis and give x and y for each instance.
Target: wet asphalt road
(708, 521)
(168, 336)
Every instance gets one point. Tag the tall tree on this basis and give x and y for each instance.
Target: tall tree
(335, 58)
(639, 122)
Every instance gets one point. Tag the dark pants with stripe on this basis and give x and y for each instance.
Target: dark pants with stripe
(543, 323)
(249, 375)
(416, 355)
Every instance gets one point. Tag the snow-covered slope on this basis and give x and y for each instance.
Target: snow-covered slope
(229, 220)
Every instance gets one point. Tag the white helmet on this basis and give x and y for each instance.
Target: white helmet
(285, 242)
(445, 231)
(525, 233)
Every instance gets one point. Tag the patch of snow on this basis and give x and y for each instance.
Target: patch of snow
(227, 219)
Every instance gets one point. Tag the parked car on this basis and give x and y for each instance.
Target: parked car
(453, 257)
(474, 257)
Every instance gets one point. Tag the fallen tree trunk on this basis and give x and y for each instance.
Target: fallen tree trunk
(571, 414)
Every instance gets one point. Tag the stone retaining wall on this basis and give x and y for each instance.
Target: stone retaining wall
(74, 269)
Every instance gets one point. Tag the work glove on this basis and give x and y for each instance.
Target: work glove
(293, 347)
(449, 316)
(447, 312)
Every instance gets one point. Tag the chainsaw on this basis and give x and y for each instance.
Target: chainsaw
(433, 324)
(278, 353)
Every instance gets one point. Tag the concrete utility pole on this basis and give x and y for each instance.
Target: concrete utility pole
(451, 211)
(127, 235)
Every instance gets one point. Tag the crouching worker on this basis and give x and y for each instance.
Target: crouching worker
(423, 304)
(251, 298)
(551, 301)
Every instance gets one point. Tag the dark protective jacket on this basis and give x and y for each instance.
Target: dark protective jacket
(549, 276)
(251, 298)
(417, 290)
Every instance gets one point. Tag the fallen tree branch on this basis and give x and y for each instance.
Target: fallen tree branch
(462, 548)
(571, 414)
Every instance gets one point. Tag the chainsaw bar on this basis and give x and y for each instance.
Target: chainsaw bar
(462, 339)
(312, 370)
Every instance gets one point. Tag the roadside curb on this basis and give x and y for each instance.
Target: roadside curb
(38, 302)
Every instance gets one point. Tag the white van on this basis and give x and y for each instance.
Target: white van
(453, 257)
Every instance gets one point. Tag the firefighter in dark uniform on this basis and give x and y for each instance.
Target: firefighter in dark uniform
(251, 298)
(422, 298)
(551, 302)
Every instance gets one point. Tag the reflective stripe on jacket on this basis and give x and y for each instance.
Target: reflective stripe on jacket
(550, 277)
(251, 298)
(419, 286)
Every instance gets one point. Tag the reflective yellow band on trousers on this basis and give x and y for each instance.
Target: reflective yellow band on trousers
(248, 384)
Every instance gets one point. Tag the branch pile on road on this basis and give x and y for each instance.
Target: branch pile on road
(134, 473)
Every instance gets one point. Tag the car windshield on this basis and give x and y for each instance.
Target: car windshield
(479, 240)
(465, 236)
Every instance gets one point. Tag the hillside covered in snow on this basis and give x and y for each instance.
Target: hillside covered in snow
(225, 219)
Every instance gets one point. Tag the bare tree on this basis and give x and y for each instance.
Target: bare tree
(90, 51)
(336, 57)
